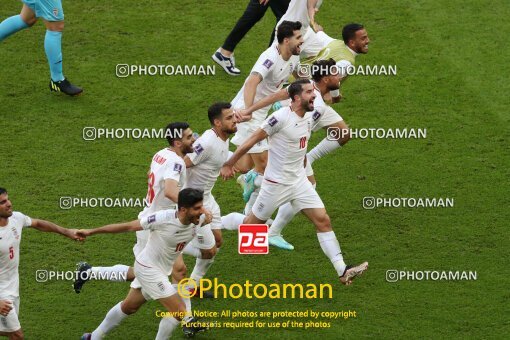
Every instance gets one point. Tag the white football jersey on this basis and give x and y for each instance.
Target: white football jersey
(167, 238)
(297, 11)
(210, 152)
(274, 71)
(166, 164)
(288, 139)
(10, 238)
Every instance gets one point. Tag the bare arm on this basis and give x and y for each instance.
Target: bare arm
(51, 227)
(227, 170)
(250, 88)
(312, 9)
(171, 190)
(271, 99)
(113, 228)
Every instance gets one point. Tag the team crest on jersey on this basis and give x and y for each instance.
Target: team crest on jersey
(55, 11)
(316, 115)
(268, 63)
(161, 286)
(198, 149)
(272, 121)
(178, 167)
(151, 219)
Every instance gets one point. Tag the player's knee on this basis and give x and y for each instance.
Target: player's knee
(179, 272)
(242, 169)
(219, 241)
(323, 223)
(56, 26)
(208, 253)
(18, 335)
(127, 308)
(30, 21)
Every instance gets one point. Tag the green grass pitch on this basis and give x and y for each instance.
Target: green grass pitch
(452, 60)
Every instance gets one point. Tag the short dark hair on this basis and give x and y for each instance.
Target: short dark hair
(323, 68)
(349, 31)
(216, 109)
(189, 197)
(174, 131)
(296, 88)
(286, 30)
(3, 191)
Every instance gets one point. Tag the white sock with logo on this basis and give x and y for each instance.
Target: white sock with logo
(331, 247)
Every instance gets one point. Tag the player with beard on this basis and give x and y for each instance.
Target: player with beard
(204, 164)
(170, 231)
(271, 70)
(354, 42)
(12, 224)
(285, 179)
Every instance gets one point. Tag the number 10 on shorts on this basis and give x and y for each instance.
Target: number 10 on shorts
(253, 239)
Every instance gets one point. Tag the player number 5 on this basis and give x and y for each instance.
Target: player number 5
(11, 252)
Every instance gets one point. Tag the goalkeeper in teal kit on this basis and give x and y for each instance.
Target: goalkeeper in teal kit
(53, 16)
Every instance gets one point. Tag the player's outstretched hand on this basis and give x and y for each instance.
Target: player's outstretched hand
(5, 307)
(242, 115)
(83, 233)
(227, 172)
(73, 235)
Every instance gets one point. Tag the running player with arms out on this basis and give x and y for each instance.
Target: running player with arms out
(12, 224)
(285, 180)
(53, 15)
(170, 231)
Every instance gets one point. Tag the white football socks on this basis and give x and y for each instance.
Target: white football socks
(112, 319)
(331, 247)
(201, 267)
(166, 327)
(192, 250)
(117, 273)
(232, 221)
(285, 214)
(325, 147)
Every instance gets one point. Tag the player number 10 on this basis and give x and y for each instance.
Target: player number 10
(302, 142)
